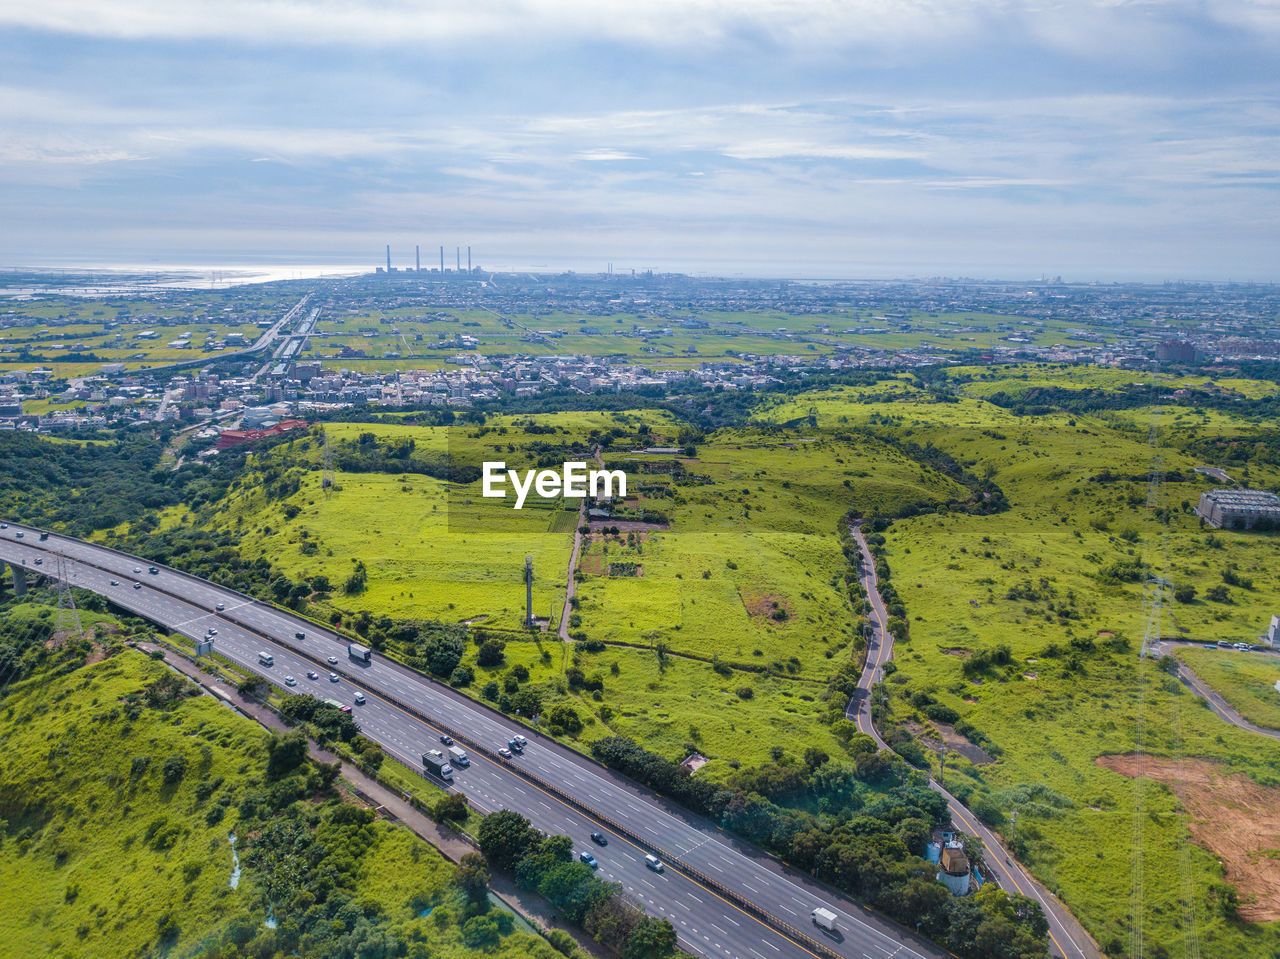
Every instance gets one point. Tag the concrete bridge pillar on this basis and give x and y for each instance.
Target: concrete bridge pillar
(19, 580)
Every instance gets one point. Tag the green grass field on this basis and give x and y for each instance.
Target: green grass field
(1245, 680)
(750, 568)
(102, 857)
(1057, 579)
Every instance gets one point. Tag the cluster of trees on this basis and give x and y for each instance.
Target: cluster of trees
(329, 723)
(510, 696)
(368, 454)
(24, 643)
(873, 819)
(546, 863)
(82, 487)
(304, 861)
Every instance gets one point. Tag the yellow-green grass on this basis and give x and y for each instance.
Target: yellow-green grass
(82, 880)
(1063, 527)
(1245, 680)
(431, 549)
(670, 706)
(763, 531)
(418, 567)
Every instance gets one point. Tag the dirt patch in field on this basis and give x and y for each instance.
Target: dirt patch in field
(1228, 814)
(953, 741)
(957, 651)
(1105, 634)
(766, 605)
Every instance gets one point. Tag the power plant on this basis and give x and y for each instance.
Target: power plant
(417, 262)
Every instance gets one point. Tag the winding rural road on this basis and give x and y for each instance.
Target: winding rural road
(726, 898)
(1068, 939)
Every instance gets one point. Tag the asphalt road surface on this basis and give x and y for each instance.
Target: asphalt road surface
(1067, 938)
(1198, 686)
(405, 712)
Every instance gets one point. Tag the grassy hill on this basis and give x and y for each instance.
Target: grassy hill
(118, 798)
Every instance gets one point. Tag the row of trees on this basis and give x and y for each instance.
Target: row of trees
(545, 863)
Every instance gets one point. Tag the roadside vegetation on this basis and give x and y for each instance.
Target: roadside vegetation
(138, 818)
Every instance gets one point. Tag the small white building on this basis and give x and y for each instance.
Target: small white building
(1273, 632)
(954, 868)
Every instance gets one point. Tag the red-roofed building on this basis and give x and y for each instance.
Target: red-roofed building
(229, 438)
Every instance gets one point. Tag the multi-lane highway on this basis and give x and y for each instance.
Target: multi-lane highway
(724, 897)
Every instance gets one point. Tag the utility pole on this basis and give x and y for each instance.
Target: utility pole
(528, 592)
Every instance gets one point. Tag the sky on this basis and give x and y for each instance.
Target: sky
(1092, 139)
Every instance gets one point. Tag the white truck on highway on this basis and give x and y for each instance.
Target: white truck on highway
(361, 654)
(436, 763)
(824, 919)
(459, 756)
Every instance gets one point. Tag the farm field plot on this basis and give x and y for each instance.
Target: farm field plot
(63, 333)
(750, 568)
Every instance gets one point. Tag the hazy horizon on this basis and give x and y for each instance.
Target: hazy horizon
(1096, 140)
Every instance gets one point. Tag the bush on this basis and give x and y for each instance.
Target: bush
(986, 810)
(173, 769)
(491, 653)
(565, 718)
(746, 692)
(941, 713)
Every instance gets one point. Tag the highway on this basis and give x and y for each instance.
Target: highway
(724, 897)
(1067, 938)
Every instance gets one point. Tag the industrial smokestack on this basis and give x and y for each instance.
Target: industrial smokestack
(457, 252)
(417, 258)
(468, 259)
(388, 257)
(442, 259)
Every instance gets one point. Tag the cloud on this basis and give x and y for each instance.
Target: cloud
(1081, 25)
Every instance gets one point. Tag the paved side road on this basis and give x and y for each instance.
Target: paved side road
(1068, 939)
(1219, 705)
